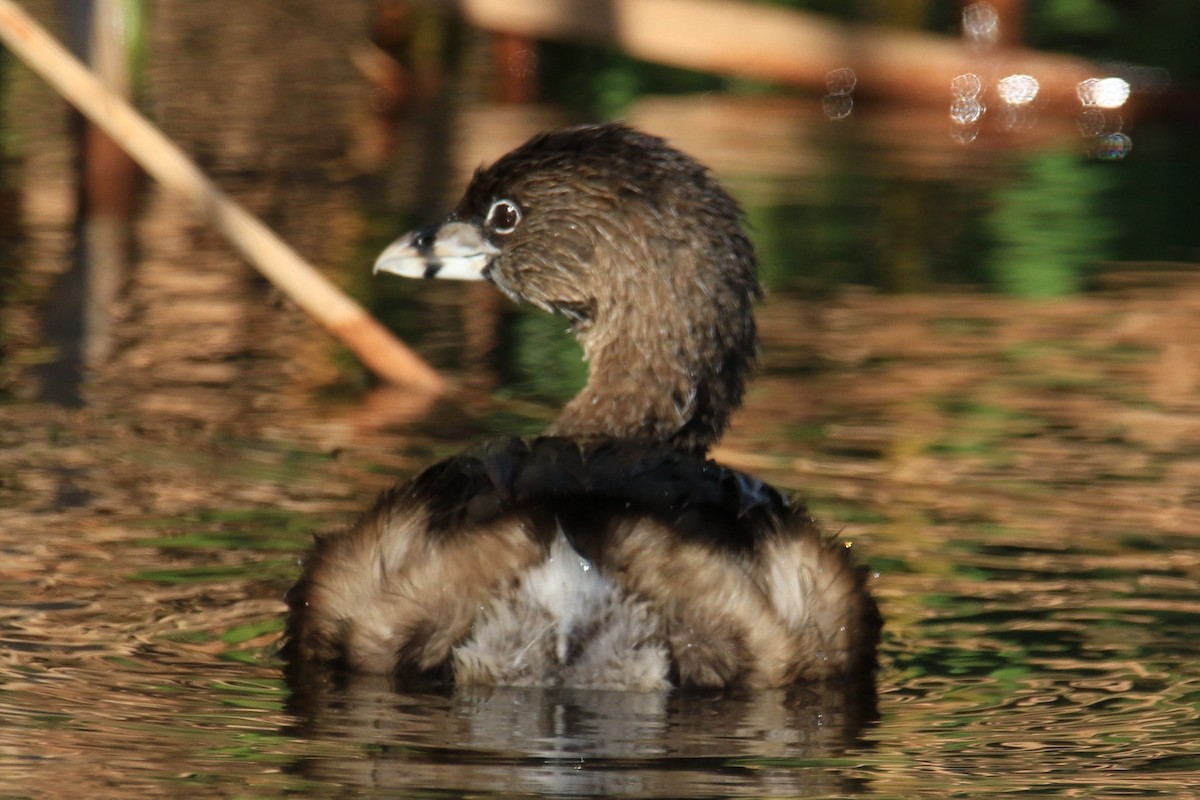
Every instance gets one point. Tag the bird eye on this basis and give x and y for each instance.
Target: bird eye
(503, 216)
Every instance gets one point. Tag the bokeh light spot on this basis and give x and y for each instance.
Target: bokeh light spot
(837, 106)
(981, 24)
(966, 110)
(838, 103)
(1112, 146)
(1103, 92)
(841, 81)
(1018, 90)
(967, 85)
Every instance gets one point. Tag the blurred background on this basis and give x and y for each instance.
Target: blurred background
(977, 224)
(902, 147)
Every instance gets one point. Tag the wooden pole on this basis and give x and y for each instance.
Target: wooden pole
(374, 344)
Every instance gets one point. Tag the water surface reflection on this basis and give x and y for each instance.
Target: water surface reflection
(577, 743)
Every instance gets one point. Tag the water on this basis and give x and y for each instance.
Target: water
(1010, 445)
(1019, 474)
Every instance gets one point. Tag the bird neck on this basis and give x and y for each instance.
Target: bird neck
(644, 384)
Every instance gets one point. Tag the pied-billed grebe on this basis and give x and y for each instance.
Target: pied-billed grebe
(608, 553)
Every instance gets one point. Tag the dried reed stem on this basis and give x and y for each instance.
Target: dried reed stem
(386, 356)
